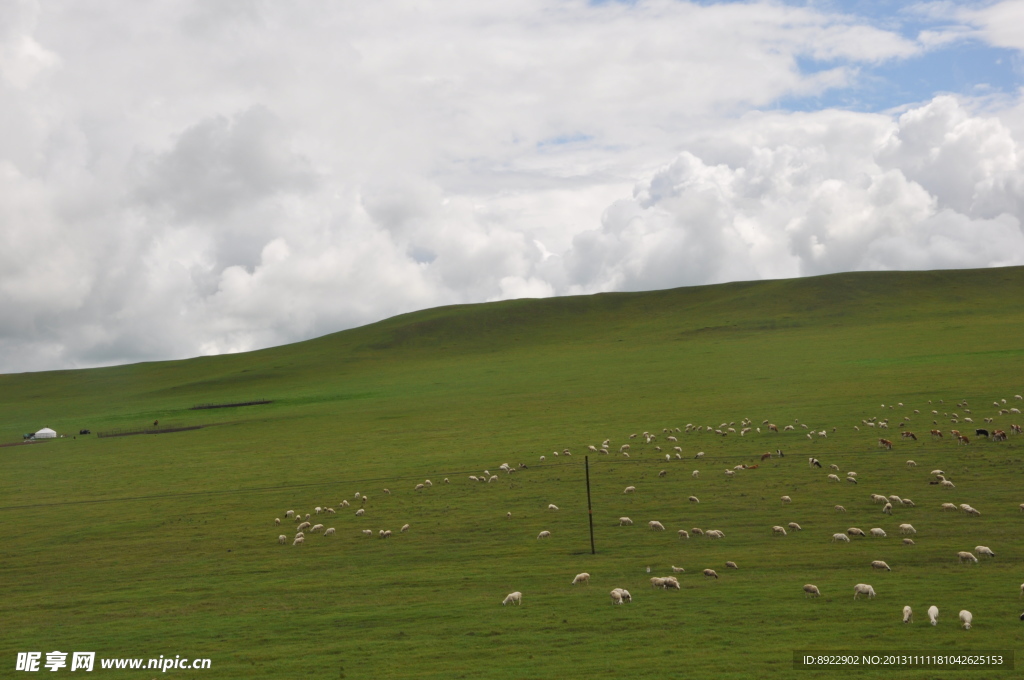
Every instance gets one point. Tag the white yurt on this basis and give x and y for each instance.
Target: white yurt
(45, 433)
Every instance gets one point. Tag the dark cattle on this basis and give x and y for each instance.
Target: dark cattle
(817, 464)
(981, 433)
(84, 432)
(155, 423)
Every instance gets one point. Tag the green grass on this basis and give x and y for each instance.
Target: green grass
(165, 544)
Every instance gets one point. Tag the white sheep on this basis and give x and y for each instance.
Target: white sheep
(840, 537)
(696, 474)
(299, 540)
(508, 515)
(446, 481)
(330, 511)
(933, 615)
(839, 508)
(316, 527)
(794, 526)
(542, 459)
(343, 504)
(879, 564)
(908, 614)
(625, 522)
(710, 573)
(966, 557)
(655, 525)
(714, 533)
(966, 618)
(811, 590)
(911, 464)
(581, 578)
(949, 506)
(833, 478)
(657, 582)
(907, 529)
(835, 467)
(282, 539)
(304, 525)
(678, 570)
(778, 530)
(731, 565)
(887, 509)
(427, 482)
(878, 533)
(385, 533)
(329, 532)
(683, 533)
(854, 531)
(515, 598)
(317, 510)
(405, 527)
(694, 499)
(787, 499)
(907, 503)
(908, 541)
(730, 473)
(367, 532)
(418, 487)
(697, 531)
(387, 491)
(984, 550)
(629, 489)
(360, 512)
(552, 506)
(290, 514)
(946, 484)
(663, 473)
(877, 498)
(544, 534)
(863, 589)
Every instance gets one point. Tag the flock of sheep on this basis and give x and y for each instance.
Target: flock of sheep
(620, 595)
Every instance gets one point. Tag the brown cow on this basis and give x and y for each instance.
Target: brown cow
(766, 456)
(885, 443)
(937, 433)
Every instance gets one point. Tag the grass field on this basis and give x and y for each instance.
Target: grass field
(165, 544)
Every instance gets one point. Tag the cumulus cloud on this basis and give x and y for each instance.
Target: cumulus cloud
(180, 178)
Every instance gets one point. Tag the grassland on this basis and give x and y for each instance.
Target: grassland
(165, 544)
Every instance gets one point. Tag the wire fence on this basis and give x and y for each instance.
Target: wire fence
(255, 402)
(128, 432)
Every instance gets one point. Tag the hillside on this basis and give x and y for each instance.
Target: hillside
(165, 544)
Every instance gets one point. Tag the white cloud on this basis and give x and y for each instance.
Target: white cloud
(192, 177)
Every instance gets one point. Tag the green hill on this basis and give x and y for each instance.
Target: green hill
(138, 546)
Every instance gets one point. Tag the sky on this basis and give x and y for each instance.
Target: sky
(183, 178)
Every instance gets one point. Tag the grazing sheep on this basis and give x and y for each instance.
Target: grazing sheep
(299, 540)
(508, 515)
(329, 532)
(552, 506)
(966, 557)
(852, 480)
(544, 534)
(984, 550)
(911, 464)
(360, 512)
(694, 499)
(731, 565)
(730, 473)
(671, 582)
(965, 619)
(895, 499)
(616, 596)
(794, 526)
(887, 509)
(878, 533)
(316, 528)
(367, 532)
(946, 484)
(655, 525)
(833, 466)
(778, 530)
(714, 533)
(833, 478)
(684, 534)
(908, 614)
(787, 499)
(933, 615)
(330, 511)
(851, 474)
(907, 529)
(812, 590)
(515, 598)
(343, 504)
(657, 582)
(446, 481)
(949, 506)
(877, 498)
(277, 521)
(696, 474)
(678, 570)
(629, 489)
(282, 539)
(625, 522)
(290, 514)
(700, 454)
(581, 578)
(879, 564)
(907, 503)
(317, 510)
(299, 534)
(542, 459)
(405, 527)
(908, 541)
(854, 531)
(663, 472)
(385, 533)
(304, 525)
(307, 515)
(839, 508)
(710, 573)
(863, 589)
(418, 487)
(840, 537)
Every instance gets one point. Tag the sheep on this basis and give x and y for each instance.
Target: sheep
(730, 473)
(877, 498)
(863, 589)
(360, 512)
(316, 528)
(839, 508)
(908, 614)
(629, 489)
(418, 487)
(946, 484)
(933, 615)
(911, 464)
(657, 582)
(331, 511)
(367, 532)
(966, 557)
(908, 541)
(552, 506)
(949, 506)
(542, 459)
(696, 474)
(290, 514)
(492, 478)
(684, 534)
(515, 598)
(984, 550)
(446, 481)
(697, 531)
(299, 540)
(329, 532)
(581, 578)
(937, 473)
(543, 534)
(852, 480)
(895, 499)
(833, 478)
(694, 499)
(300, 534)
(710, 573)
(833, 466)
(625, 522)
(907, 503)
(778, 530)
(840, 537)
(663, 473)
(671, 582)
(787, 499)
(731, 565)
(387, 491)
(405, 527)
(879, 564)
(620, 595)
(972, 511)
(307, 516)
(966, 618)
(887, 509)
(700, 454)
(655, 525)
(907, 529)
(343, 504)
(317, 510)
(304, 525)
(282, 539)
(678, 570)
(714, 533)
(811, 590)
(385, 533)
(854, 531)
(878, 533)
